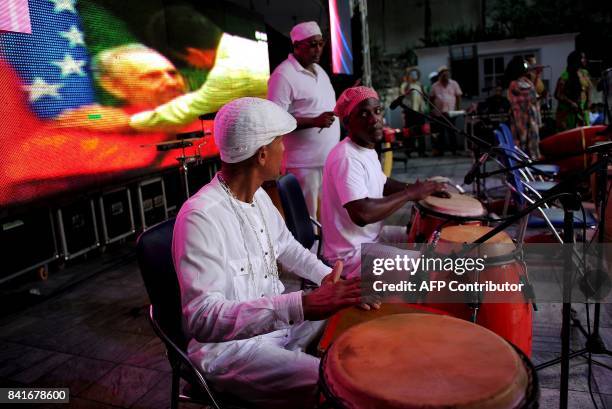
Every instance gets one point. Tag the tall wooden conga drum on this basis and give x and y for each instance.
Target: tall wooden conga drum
(508, 315)
(426, 361)
(431, 213)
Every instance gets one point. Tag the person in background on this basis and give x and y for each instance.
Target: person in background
(446, 96)
(534, 72)
(573, 93)
(525, 118)
(497, 103)
(413, 91)
(301, 87)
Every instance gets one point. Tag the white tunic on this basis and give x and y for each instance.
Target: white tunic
(230, 314)
(307, 95)
(351, 173)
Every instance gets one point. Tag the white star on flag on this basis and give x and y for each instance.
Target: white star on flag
(61, 5)
(70, 66)
(74, 36)
(39, 88)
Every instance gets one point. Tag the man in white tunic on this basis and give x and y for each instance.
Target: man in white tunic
(357, 196)
(301, 87)
(246, 334)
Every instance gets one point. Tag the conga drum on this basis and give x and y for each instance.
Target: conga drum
(568, 142)
(425, 361)
(349, 317)
(431, 213)
(508, 314)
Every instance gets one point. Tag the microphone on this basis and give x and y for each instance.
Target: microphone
(399, 101)
(469, 177)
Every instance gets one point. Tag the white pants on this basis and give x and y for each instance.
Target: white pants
(310, 180)
(278, 374)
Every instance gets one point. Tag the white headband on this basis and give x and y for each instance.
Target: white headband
(304, 30)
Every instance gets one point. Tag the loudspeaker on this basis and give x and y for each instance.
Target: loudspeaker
(152, 202)
(78, 229)
(116, 215)
(27, 242)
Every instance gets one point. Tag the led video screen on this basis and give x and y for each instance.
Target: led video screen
(340, 32)
(96, 85)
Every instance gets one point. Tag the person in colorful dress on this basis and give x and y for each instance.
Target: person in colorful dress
(525, 118)
(573, 93)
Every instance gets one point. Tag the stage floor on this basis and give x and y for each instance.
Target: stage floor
(91, 333)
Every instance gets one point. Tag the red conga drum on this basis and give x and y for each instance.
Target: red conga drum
(425, 361)
(508, 314)
(349, 317)
(431, 213)
(568, 142)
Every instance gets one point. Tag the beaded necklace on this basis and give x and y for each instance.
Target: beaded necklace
(243, 219)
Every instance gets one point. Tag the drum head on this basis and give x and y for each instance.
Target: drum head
(424, 361)
(457, 205)
(453, 238)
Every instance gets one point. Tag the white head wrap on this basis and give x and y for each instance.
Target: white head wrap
(304, 30)
(246, 124)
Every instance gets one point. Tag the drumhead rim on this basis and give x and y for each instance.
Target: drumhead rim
(530, 399)
(433, 212)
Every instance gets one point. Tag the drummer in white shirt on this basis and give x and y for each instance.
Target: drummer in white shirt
(301, 87)
(357, 196)
(247, 335)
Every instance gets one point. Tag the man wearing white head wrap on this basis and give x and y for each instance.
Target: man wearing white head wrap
(357, 196)
(301, 87)
(245, 334)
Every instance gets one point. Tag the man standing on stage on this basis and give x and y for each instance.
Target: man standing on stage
(301, 87)
(357, 196)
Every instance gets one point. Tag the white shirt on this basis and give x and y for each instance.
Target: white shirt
(304, 95)
(351, 173)
(226, 310)
(445, 96)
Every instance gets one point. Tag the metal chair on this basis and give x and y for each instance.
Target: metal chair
(154, 254)
(297, 218)
(524, 193)
(542, 170)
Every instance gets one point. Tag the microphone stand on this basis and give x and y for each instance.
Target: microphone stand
(570, 202)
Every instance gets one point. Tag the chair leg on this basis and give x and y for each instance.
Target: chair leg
(176, 381)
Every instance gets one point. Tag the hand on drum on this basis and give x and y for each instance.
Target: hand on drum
(420, 190)
(370, 304)
(333, 295)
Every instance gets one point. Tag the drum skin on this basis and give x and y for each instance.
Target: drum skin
(571, 141)
(414, 361)
(433, 212)
(510, 320)
(349, 317)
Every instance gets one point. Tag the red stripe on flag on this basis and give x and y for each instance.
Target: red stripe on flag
(15, 16)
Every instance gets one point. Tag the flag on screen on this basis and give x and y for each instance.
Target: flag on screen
(15, 16)
(52, 62)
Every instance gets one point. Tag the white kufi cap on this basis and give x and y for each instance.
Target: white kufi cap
(304, 30)
(246, 124)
